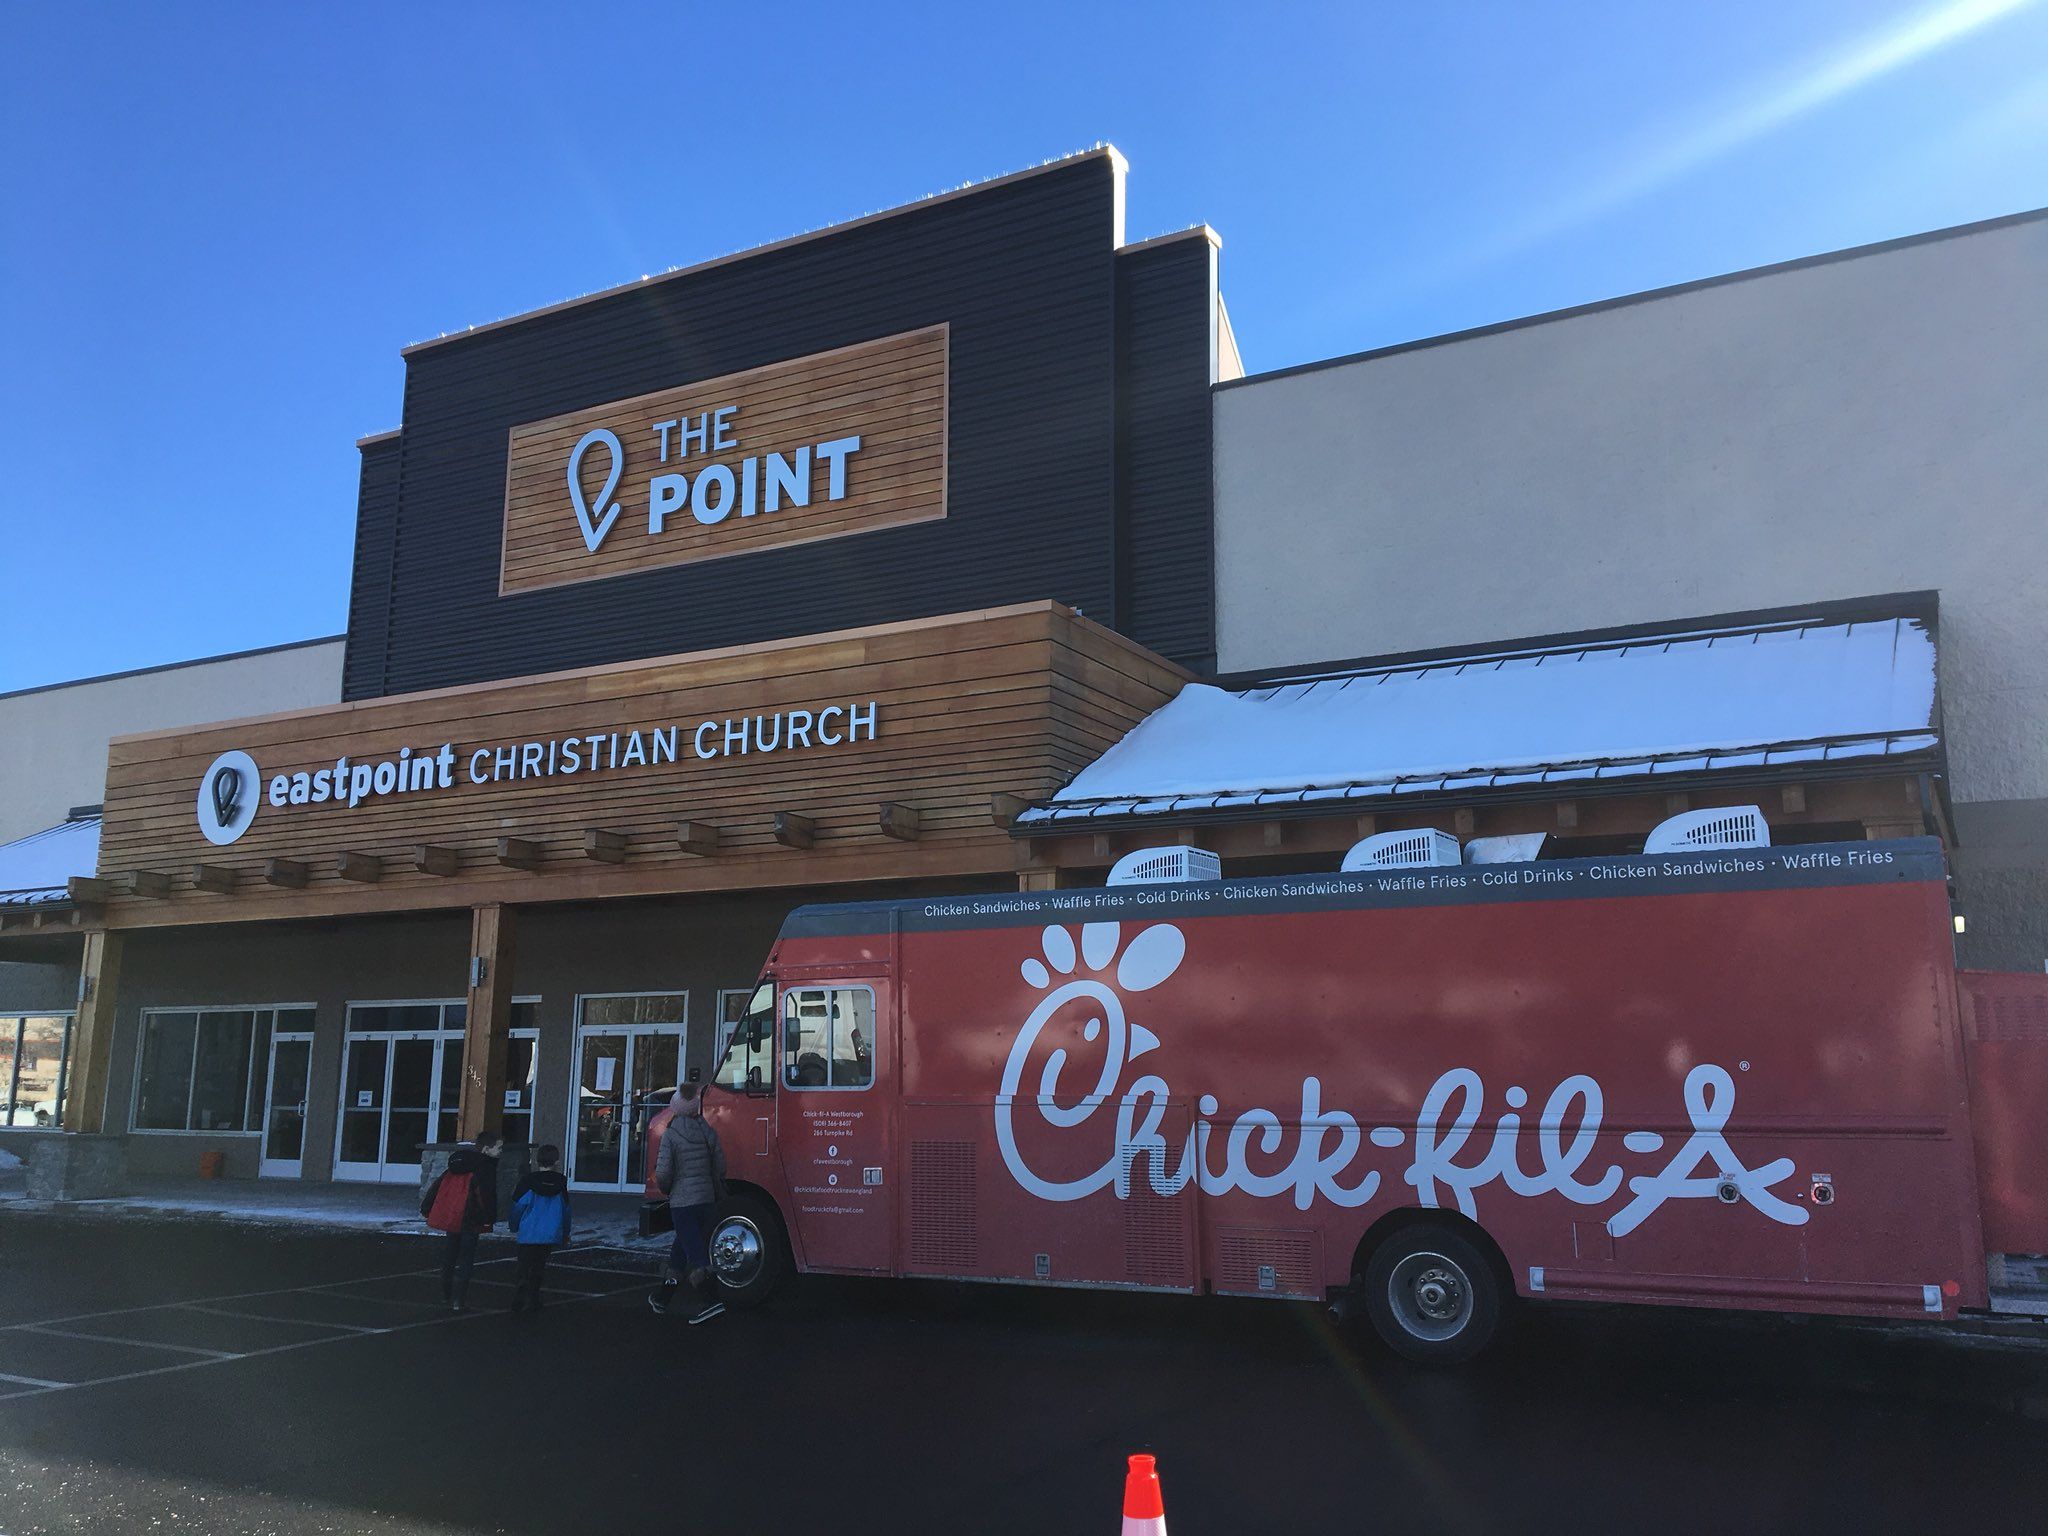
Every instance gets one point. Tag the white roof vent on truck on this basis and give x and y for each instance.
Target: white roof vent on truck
(1727, 826)
(1509, 848)
(1147, 866)
(1411, 849)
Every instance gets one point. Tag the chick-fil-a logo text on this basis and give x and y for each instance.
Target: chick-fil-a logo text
(1449, 1163)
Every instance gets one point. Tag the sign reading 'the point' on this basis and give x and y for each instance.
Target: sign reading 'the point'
(819, 447)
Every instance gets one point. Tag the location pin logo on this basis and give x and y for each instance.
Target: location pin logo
(227, 793)
(607, 510)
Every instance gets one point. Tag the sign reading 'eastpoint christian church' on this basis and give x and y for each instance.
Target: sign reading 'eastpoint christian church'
(818, 447)
(230, 788)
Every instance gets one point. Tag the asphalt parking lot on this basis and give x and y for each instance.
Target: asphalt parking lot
(191, 1376)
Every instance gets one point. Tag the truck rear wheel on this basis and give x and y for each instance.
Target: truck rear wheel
(1433, 1296)
(749, 1256)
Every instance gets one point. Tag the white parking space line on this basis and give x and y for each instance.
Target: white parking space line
(108, 1338)
(336, 1288)
(513, 1285)
(266, 1317)
(155, 1306)
(596, 1269)
(31, 1386)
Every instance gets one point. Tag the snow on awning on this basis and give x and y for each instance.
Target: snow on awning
(1790, 696)
(35, 868)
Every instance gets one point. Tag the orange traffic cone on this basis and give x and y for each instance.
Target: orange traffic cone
(1144, 1510)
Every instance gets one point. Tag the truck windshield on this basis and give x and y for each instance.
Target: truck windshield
(749, 1058)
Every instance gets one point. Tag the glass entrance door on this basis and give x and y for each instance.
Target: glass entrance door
(284, 1106)
(392, 1105)
(629, 1055)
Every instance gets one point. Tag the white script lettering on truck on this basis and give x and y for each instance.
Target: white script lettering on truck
(1443, 1158)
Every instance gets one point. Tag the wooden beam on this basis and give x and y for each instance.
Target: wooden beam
(518, 853)
(1567, 814)
(1273, 834)
(900, 822)
(217, 878)
(605, 847)
(1793, 798)
(795, 831)
(488, 1027)
(698, 837)
(287, 872)
(433, 859)
(84, 888)
(1367, 825)
(1004, 809)
(92, 1032)
(363, 868)
(1038, 880)
(1677, 805)
(149, 882)
(1100, 846)
(1464, 820)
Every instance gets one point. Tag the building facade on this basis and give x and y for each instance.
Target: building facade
(949, 551)
(764, 581)
(1867, 423)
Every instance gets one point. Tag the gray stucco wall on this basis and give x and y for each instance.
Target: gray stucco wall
(53, 741)
(1869, 424)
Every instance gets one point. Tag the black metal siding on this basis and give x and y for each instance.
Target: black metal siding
(369, 593)
(1025, 272)
(1166, 306)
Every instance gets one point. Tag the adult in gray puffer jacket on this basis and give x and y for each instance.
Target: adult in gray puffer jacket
(691, 1172)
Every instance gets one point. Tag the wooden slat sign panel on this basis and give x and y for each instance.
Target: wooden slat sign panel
(817, 447)
(866, 754)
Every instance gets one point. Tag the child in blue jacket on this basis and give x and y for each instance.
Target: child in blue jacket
(540, 1220)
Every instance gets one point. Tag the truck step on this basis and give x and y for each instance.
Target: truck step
(2019, 1284)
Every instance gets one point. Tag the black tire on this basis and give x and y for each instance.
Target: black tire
(749, 1254)
(1433, 1295)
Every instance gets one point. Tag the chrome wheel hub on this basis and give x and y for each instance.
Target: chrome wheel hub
(737, 1252)
(1430, 1295)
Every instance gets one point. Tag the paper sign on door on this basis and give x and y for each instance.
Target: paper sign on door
(607, 1073)
(512, 1097)
(366, 1099)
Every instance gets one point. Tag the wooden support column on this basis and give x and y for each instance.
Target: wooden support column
(1039, 879)
(489, 1029)
(92, 1033)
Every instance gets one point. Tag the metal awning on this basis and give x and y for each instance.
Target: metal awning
(1789, 699)
(34, 869)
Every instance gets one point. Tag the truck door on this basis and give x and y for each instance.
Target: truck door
(835, 1123)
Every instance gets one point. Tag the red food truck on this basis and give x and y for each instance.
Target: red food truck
(1744, 1077)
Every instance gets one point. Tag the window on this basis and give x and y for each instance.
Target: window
(828, 1037)
(206, 1069)
(748, 1058)
(35, 1061)
(733, 1003)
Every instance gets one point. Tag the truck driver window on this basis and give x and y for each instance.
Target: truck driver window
(828, 1037)
(750, 1055)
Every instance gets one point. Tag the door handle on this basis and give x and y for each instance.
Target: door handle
(763, 1123)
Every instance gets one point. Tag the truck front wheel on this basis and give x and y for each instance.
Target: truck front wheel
(748, 1255)
(1433, 1296)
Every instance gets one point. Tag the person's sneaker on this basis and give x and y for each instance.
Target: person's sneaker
(707, 1312)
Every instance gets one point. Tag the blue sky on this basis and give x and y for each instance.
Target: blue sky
(221, 223)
